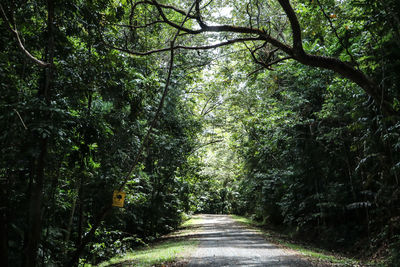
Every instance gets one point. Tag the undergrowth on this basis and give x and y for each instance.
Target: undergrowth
(313, 253)
(170, 249)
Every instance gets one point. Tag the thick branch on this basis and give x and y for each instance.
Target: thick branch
(207, 47)
(225, 28)
(20, 45)
(295, 25)
(198, 15)
(348, 71)
(296, 52)
(343, 68)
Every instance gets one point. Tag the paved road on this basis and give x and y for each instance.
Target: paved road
(224, 242)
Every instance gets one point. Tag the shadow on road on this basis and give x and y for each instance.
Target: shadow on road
(224, 242)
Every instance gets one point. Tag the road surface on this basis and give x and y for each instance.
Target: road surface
(224, 242)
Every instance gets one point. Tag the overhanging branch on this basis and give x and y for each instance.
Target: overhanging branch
(206, 47)
(295, 25)
(14, 31)
(296, 51)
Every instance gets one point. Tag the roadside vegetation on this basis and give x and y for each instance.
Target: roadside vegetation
(171, 250)
(285, 111)
(313, 253)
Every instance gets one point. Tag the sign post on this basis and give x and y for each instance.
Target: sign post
(118, 199)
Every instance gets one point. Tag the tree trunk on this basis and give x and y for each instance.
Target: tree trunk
(97, 221)
(33, 233)
(3, 221)
(34, 229)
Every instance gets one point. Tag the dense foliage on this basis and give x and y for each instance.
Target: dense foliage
(289, 144)
(316, 156)
(69, 137)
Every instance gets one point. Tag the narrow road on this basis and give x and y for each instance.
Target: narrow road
(224, 242)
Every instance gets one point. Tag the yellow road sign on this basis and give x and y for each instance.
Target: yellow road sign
(118, 198)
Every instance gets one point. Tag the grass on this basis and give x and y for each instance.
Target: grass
(175, 247)
(312, 253)
(192, 222)
(160, 254)
(246, 221)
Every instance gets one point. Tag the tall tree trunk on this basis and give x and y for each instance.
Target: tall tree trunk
(33, 233)
(3, 221)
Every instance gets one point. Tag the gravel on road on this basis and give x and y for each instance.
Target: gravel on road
(225, 242)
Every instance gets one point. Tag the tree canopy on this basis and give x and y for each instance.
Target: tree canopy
(285, 111)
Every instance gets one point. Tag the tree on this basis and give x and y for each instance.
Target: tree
(266, 35)
(75, 113)
(91, 104)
